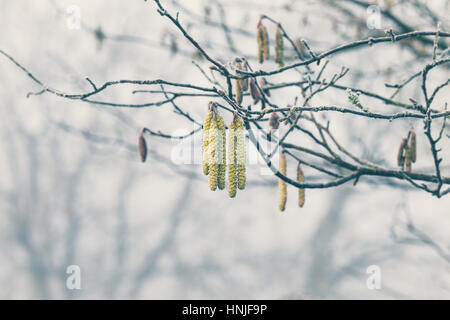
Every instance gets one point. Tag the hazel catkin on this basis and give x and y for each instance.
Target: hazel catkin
(232, 160)
(401, 153)
(142, 146)
(279, 47)
(244, 82)
(213, 159)
(221, 151)
(206, 129)
(266, 47)
(412, 145)
(240, 153)
(260, 42)
(407, 159)
(282, 185)
(254, 91)
(301, 191)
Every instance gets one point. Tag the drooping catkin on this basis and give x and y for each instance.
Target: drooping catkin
(266, 46)
(240, 153)
(213, 159)
(407, 159)
(244, 82)
(279, 47)
(142, 146)
(401, 153)
(238, 83)
(232, 160)
(254, 91)
(263, 84)
(260, 42)
(274, 120)
(282, 185)
(206, 129)
(221, 150)
(412, 145)
(301, 191)
(238, 92)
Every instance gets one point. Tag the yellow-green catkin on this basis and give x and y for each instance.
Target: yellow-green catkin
(301, 191)
(407, 159)
(412, 145)
(240, 153)
(213, 162)
(238, 92)
(260, 42)
(206, 129)
(232, 160)
(221, 154)
(279, 47)
(282, 185)
(266, 46)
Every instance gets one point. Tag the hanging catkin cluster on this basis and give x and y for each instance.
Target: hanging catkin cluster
(279, 47)
(215, 152)
(262, 40)
(282, 185)
(407, 152)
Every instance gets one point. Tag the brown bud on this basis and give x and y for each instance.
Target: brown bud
(254, 91)
(142, 146)
(274, 120)
(301, 191)
(282, 185)
(407, 159)
(412, 145)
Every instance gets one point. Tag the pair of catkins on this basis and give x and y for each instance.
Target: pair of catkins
(215, 152)
(262, 40)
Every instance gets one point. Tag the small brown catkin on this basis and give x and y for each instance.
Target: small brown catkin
(412, 145)
(240, 153)
(407, 159)
(238, 92)
(142, 146)
(301, 191)
(232, 160)
(401, 153)
(282, 185)
(213, 157)
(279, 47)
